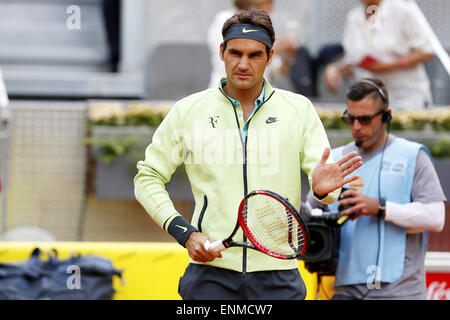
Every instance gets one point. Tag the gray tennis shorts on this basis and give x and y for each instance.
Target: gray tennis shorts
(201, 282)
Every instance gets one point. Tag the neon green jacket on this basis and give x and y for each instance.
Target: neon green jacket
(204, 131)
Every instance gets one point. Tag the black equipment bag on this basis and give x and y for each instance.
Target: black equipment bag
(80, 277)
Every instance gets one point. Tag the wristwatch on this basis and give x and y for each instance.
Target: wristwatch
(382, 208)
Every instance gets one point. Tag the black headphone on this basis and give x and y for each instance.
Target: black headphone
(386, 115)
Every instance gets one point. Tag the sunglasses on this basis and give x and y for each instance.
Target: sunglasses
(363, 120)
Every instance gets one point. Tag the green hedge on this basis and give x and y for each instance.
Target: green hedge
(139, 113)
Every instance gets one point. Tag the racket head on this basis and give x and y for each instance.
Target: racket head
(273, 225)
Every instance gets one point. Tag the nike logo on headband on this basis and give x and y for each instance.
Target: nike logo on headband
(247, 31)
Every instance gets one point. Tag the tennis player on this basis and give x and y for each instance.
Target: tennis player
(240, 136)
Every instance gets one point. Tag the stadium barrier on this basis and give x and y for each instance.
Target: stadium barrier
(151, 271)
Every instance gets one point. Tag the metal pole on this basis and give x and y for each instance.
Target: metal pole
(435, 43)
(4, 127)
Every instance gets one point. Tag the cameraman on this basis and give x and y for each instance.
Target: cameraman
(383, 243)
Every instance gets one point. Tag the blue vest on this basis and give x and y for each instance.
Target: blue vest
(370, 244)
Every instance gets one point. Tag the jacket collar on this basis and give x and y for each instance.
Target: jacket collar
(268, 89)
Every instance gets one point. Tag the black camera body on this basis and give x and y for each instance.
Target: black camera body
(323, 251)
(324, 233)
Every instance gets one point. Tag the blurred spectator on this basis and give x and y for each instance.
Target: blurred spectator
(284, 48)
(384, 39)
(111, 14)
(306, 69)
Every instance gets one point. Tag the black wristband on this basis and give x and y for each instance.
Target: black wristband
(320, 197)
(180, 229)
(382, 208)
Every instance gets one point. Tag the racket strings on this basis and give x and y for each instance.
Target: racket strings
(272, 225)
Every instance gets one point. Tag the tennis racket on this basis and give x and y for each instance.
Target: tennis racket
(271, 224)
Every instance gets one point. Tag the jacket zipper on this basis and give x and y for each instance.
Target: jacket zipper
(244, 256)
(202, 213)
(244, 146)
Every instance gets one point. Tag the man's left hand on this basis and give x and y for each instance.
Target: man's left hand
(361, 205)
(328, 177)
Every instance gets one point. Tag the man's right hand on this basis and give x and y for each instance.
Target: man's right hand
(195, 246)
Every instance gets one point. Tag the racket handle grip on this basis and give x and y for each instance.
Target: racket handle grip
(216, 245)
